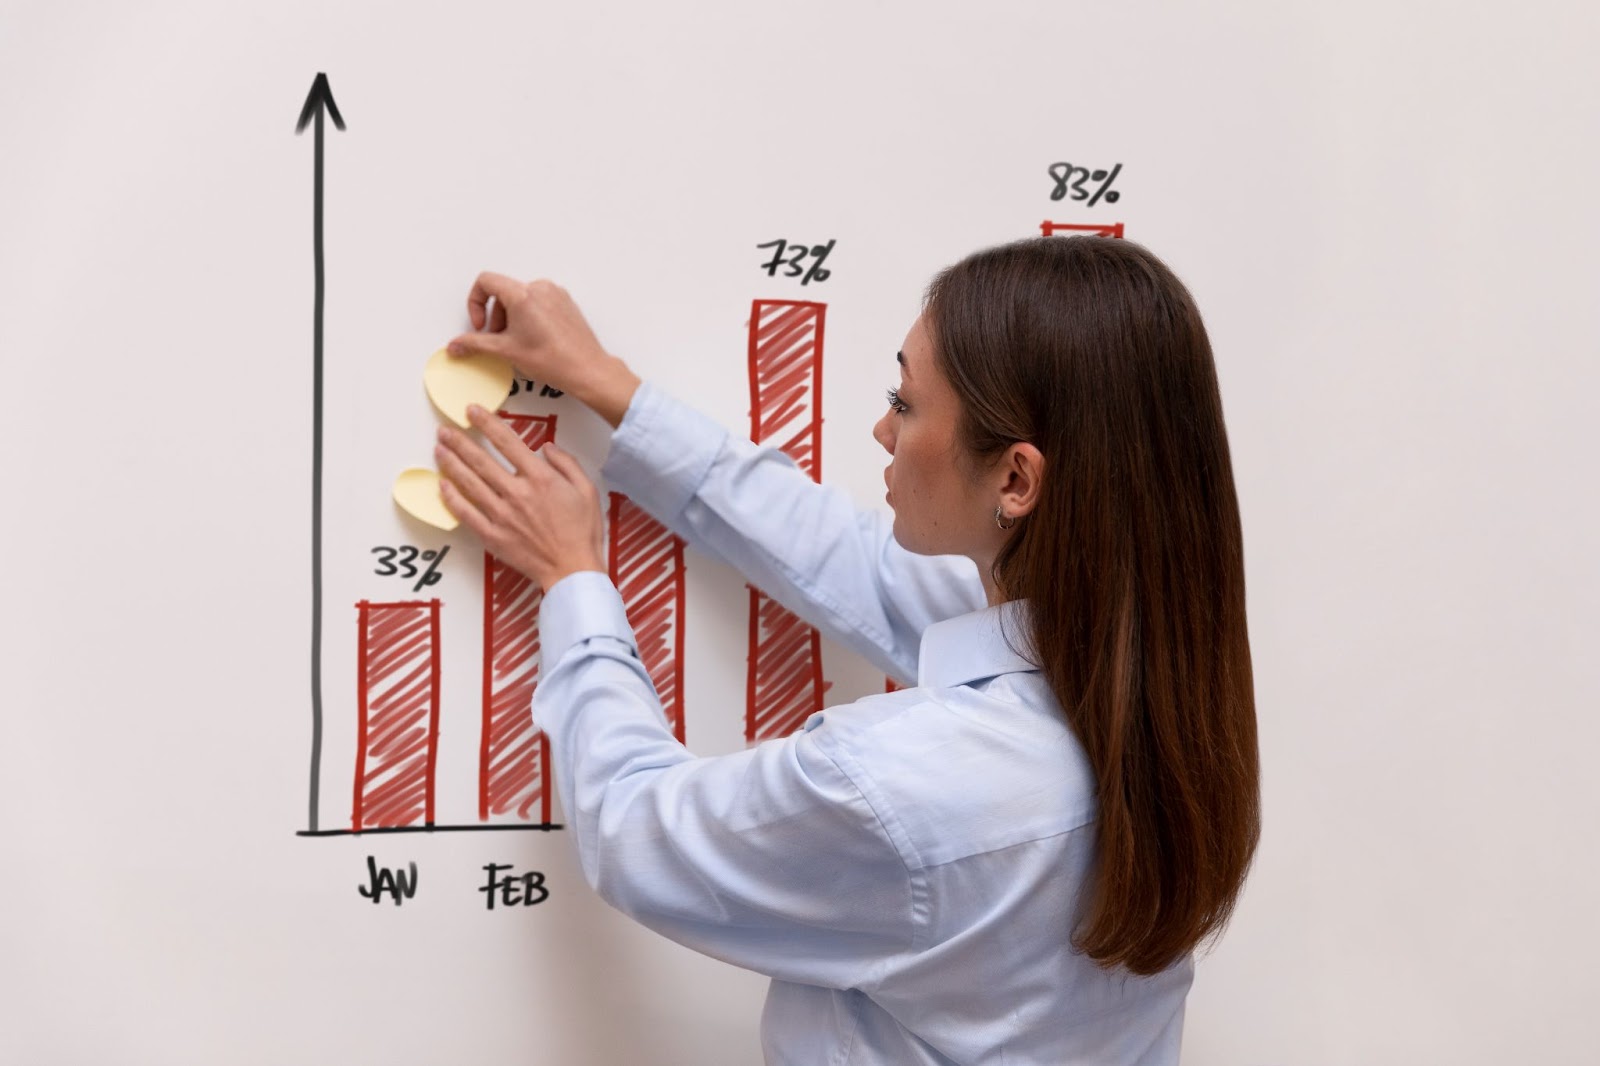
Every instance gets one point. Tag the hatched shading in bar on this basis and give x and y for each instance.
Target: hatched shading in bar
(646, 563)
(397, 681)
(513, 756)
(784, 683)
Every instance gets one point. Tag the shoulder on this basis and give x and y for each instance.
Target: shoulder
(957, 771)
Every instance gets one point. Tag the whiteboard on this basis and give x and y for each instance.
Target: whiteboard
(1385, 213)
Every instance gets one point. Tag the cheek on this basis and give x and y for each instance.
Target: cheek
(915, 470)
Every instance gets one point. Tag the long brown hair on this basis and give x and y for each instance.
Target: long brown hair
(1132, 563)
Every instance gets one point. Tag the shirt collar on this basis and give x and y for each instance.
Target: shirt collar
(970, 647)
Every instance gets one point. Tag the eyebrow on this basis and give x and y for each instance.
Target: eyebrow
(900, 357)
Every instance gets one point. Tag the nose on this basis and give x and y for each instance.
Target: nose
(883, 433)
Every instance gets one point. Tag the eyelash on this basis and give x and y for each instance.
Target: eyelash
(894, 401)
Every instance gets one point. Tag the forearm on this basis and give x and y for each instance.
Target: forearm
(607, 388)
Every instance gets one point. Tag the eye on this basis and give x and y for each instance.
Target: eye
(894, 401)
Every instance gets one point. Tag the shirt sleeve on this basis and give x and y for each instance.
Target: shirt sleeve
(804, 544)
(772, 858)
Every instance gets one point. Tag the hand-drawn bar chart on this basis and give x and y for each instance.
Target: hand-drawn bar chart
(394, 780)
(646, 565)
(398, 704)
(513, 756)
(399, 676)
(784, 681)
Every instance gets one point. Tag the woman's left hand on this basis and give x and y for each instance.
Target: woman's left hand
(541, 518)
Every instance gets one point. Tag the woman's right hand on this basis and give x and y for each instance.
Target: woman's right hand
(536, 327)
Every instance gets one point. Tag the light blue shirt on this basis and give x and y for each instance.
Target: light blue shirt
(906, 868)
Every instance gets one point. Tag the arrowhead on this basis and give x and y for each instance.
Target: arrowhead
(320, 96)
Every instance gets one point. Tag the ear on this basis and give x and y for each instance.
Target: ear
(1021, 476)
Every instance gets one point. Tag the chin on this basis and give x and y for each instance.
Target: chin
(910, 544)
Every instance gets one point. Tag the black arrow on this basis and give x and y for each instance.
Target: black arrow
(318, 100)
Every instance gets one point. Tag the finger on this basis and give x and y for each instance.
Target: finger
(565, 464)
(458, 504)
(505, 440)
(497, 320)
(467, 343)
(489, 284)
(468, 486)
(458, 448)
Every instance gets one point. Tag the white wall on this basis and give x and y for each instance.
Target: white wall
(1386, 213)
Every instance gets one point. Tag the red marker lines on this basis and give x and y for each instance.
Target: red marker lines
(646, 563)
(784, 684)
(786, 339)
(1109, 229)
(397, 682)
(513, 757)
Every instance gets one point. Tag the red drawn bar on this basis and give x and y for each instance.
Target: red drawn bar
(397, 682)
(784, 685)
(1108, 229)
(646, 563)
(513, 756)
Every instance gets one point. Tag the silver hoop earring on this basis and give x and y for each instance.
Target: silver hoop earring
(1002, 525)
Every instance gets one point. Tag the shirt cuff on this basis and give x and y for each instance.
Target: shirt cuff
(661, 452)
(582, 605)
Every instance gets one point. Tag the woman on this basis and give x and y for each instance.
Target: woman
(1015, 860)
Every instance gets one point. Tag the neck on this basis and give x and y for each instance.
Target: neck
(991, 591)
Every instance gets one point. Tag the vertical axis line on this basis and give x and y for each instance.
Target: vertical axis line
(316, 485)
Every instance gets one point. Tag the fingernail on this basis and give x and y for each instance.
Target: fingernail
(456, 348)
(444, 434)
(474, 411)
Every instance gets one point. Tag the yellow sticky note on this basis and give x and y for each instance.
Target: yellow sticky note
(454, 381)
(417, 492)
